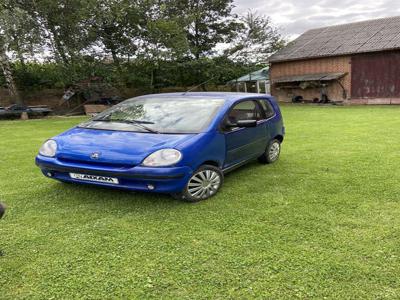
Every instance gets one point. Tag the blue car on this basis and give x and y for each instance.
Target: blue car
(180, 144)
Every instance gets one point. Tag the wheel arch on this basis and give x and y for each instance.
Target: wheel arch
(211, 163)
(279, 137)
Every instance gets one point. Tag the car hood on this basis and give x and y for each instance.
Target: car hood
(125, 148)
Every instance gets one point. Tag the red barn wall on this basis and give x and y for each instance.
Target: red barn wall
(375, 78)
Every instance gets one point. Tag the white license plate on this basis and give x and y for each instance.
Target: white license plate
(94, 178)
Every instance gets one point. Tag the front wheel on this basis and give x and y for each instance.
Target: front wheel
(203, 184)
(271, 153)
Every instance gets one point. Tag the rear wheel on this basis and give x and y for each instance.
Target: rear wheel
(203, 184)
(271, 153)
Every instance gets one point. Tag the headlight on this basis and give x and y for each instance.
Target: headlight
(162, 158)
(49, 148)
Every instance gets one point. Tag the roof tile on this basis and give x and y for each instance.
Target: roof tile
(360, 37)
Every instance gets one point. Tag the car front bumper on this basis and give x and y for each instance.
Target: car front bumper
(138, 178)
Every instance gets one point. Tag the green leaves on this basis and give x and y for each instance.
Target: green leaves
(255, 40)
(150, 44)
(206, 23)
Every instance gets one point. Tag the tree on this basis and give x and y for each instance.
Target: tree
(151, 42)
(206, 23)
(116, 26)
(64, 26)
(255, 40)
(21, 32)
(162, 39)
(16, 33)
(7, 72)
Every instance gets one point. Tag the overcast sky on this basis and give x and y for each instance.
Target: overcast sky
(295, 17)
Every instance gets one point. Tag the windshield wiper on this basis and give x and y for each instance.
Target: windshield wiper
(133, 122)
(143, 122)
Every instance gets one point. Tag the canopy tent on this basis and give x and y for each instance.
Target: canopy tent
(257, 81)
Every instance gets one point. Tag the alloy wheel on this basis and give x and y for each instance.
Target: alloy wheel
(204, 184)
(274, 151)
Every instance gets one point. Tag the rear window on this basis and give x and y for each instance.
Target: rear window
(269, 111)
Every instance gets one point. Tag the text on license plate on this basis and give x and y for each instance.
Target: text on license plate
(94, 178)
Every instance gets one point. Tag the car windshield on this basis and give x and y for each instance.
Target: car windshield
(159, 115)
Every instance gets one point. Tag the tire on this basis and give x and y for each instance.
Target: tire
(271, 153)
(204, 183)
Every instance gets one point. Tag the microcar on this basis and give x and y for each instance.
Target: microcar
(179, 143)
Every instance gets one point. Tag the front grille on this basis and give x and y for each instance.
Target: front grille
(93, 163)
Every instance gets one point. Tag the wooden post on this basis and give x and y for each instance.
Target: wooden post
(24, 116)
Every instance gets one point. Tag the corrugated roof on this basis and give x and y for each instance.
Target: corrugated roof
(360, 37)
(262, 74)
(309, 77)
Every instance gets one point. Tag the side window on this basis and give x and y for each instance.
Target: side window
(269, 111)
(246, 110)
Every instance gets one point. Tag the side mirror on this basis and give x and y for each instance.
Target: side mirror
(246, 123)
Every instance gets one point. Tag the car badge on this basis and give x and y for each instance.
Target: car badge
(95, 155)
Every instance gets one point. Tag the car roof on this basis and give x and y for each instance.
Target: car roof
(227, 96)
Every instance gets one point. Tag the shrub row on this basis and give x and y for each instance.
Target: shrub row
(130, 74)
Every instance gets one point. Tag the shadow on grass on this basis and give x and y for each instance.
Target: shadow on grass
(253, 168)
(102, 198)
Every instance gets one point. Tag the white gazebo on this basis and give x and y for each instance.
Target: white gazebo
(254, 82)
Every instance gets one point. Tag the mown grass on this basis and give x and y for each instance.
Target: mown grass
(323, 222)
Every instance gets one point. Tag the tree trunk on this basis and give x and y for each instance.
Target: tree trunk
(114, 55)
(107, 33)
(20, 55)
(21, 58)
(6, 67)
(60, 50)
(152, 79)
(57, 44)
(196, 41)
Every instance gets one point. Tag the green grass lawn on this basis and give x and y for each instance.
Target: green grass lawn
(323, 222)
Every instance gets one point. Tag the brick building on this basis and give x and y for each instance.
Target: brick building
(356, 63)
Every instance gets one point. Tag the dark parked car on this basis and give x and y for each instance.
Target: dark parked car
(15, 111)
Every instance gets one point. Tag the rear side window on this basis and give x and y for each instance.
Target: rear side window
(246, 110)
(269, 111)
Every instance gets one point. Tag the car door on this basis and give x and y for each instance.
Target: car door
(244, 143)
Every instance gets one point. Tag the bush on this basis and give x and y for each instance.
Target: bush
(140, 74)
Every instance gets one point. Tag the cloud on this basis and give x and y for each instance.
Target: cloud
(295, 17)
